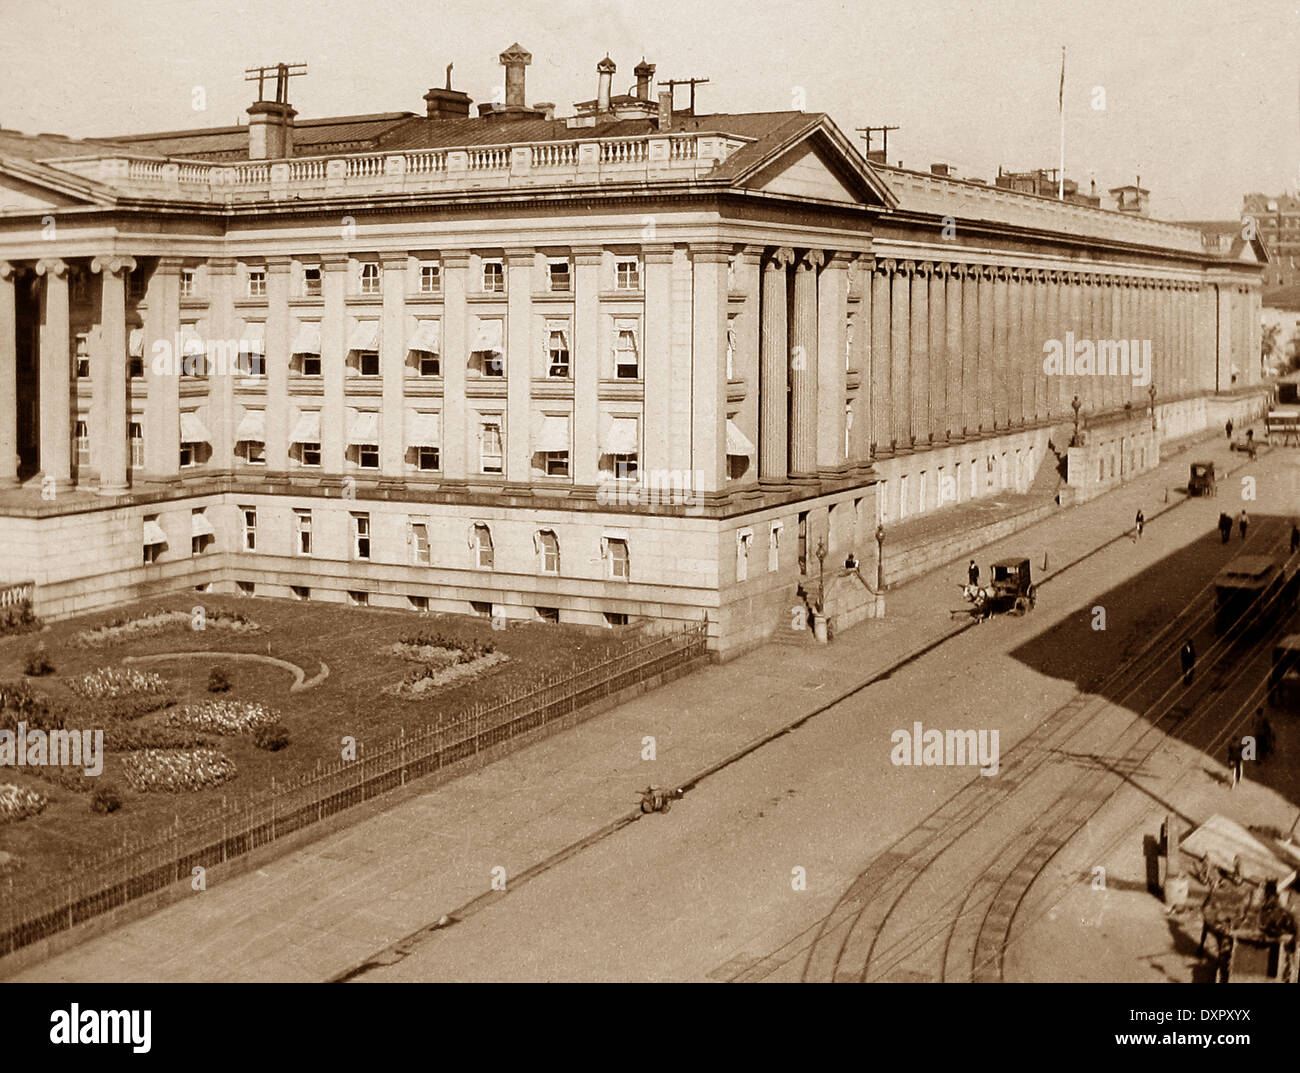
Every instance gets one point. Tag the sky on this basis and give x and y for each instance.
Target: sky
(1201, 98)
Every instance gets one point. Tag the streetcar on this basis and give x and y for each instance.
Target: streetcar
(1258, 589)
(1284, 677)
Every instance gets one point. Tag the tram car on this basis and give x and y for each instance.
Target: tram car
(1284, 676)
(1255, 590)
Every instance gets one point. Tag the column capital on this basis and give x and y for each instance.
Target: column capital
(958, 270)
(780, 259)
(657, 253)
(1002, 272)
(810, 261)
(519, 256)
(113, 264)
(7, 271)
(887, 267)
(985, 271)
(52, 266)
(712, 252)
(278, 264)
(943, 269)
(749, 253)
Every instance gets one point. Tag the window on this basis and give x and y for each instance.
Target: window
(135, 433)
(154, 539)
(848, 425)
(311, 282)
(187, 455)
(361, 536)
(548, 548)
(615, 618)
(202, 535)
(309, 364)
(731, 348)
(902, 497)
(488, 347)
(483, 546)
(418, 603)
(848, 345)
(252, 350)
(547, 614)
(302, 525)
(368, 455)
(250, 527)
(358, 598)
(256, 283)
(557, 351)
(187, 282)
(420, 543)
(744, 540)
(430, 278)
(490, 446)
(619, 562)
(627, 274)
(627, 365)
(426, 458)
(370, 277)
(556, 463)
(300, 592)
(82, 434)
(774, 548)
(557, 277)
(309, 453)
(921, 492)
(83, 355)
(252, 452)
(494, 277)
(429, 364)
(245, 588)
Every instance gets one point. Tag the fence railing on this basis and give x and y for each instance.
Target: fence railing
(138, 869)
(17, 593)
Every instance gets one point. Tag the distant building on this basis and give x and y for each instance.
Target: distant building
(1276, 220)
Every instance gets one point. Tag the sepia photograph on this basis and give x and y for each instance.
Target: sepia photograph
(675, 493)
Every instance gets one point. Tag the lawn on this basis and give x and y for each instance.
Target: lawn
(360, 647)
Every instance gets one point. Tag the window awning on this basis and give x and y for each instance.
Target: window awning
(253, 338)
(191, 343)
(192, 430)
(200, 526)
(308, 339)
(562, 330)
(252, 427)
(425, 338)
(365, 336)
(619, 436)
(737, 442)
(364, 429)
(153, 534)
(425, 431)
(307, 430)
(137, 343)
(551, 433)
(487, 339)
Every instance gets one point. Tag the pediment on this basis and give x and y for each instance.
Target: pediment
(819, 163)
(23, 196)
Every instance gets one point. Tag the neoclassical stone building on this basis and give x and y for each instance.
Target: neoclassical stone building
(632, 362)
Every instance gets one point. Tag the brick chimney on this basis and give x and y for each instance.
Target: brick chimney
(270, 130)
(644, 72)
(605, 70)
(665, 109)
(515, 59)
(446, 103)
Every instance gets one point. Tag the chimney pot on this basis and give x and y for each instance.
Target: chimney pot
(605, 70)
(515, 59)
(644, 72)
(665, 109)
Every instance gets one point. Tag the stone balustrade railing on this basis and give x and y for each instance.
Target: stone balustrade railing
(17, 593)
(536, 163)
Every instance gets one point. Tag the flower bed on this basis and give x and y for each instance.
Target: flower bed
(19, 703)
(113, 682)
(154, 621)
(437, 648)
(17, 803)
(429, 677)
(224, 717)
(174, 771)
(18, 618)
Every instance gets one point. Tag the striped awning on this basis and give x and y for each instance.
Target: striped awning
(153, 534)
(364, 428)
(252, 427)
(191, 341)
(365, 336)
(192, 430)
(200, 526)
(737, 442)
(425, 338)
(307, 430)
(487, 339)
(619, 436)
(551, 433)
(308, 338)
(424, 431)
(253, 338)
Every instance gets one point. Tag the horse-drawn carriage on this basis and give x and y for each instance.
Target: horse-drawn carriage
(1010, 590)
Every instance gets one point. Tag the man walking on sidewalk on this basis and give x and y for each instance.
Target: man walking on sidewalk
(1225, 527)
(1234, 762)
(1242, 522)
(1228, 428)
(973, 573)
(1138, 523)
(1187, 657)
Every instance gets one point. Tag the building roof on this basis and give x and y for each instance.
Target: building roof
(358, 133)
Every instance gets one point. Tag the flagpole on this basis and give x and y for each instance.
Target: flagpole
(1060, 178)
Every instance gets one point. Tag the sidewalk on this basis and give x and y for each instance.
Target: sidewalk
(322, 910)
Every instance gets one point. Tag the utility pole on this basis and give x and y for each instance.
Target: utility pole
(282, 71)
(672, 83)
(867, 132)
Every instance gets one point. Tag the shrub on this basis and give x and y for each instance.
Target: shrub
(17, 803)
(19, 703)
(218, 682)
(105, 799)
(271, 738)
(37, 663)
(18, 618)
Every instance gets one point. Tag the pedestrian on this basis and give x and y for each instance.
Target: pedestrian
(973, 573)
(1234, 761)
(1250, 443)
(1225, 527)
(1228, 427)
(1263, 735)
(1242, 522)
(1138, 523)
(1187, 657)
(1295, 538)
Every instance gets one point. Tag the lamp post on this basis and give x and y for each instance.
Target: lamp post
(1076, 405)
(880, 557)
(1151, 394)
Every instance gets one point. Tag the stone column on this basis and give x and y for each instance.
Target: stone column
(1034, 338)
(743, 318)
(900, 354)
(987, 357)
(1001, 351)
(454, 359)
(8, 377)
(56, 377)
(656, 437)
(162, 408)
(1016, 347)
(333, 362)
(113, 271)
(951, 351)
(970, 345)
(709, 367)
(280, 333)
(832, 313)
(918, 370)
(519, 265)
(219, 324)
(882, 430)
(1054, 387)
(803, 366)
(774, 387)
